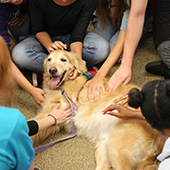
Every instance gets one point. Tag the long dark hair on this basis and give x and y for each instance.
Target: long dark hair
(103, 11)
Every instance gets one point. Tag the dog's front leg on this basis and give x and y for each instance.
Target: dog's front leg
(52, 98)
(102, 158)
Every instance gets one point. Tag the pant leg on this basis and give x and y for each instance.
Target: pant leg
(29, 54)
(110, 33)
(164, 52)
(95, 49)
(20, 32)
(106, 32)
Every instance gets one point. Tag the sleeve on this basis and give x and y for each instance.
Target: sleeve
(124, 20)
(33, 127)
(4, 16)
(80, 28)
(20, 152)
(164, 165)
(36, 16)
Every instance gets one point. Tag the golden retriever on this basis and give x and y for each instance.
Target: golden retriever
(6, 80)
(120, 144)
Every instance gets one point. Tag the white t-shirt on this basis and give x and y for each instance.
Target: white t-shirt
(164, 157)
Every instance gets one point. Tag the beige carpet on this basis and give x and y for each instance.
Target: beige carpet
(78, 153)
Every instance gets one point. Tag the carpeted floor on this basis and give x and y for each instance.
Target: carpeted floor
(78, 153)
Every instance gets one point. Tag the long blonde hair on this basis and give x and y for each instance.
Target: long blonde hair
(6, 80)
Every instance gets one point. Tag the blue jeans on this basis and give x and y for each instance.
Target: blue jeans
(109, 32)
(30, 54)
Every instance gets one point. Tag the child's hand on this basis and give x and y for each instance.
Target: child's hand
(63, 114)
(57, 45)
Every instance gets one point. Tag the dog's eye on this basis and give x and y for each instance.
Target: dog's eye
(63, 60)
(49, 59)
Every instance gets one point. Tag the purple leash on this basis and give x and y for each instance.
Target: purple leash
(73, 107)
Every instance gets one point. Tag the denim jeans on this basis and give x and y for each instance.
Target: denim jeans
(109, 32)
(30, 54)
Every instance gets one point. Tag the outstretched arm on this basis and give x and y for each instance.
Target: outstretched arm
(132, 37)
(121, 111)
(97, 83)
(36, 93)
(56, 116)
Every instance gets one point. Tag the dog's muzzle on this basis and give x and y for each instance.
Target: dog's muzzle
(56, 80)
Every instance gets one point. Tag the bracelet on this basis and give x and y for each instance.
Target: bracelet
(54, 118)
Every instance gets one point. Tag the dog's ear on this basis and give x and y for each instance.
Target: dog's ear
(45, 64)
(79, 64)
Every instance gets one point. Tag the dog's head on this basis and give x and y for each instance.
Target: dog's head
(58, 66)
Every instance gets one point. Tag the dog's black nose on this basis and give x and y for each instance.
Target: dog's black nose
(53, 70)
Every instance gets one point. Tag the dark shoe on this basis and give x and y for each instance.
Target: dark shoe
(158, 68)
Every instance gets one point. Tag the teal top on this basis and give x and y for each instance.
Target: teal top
(16, 147)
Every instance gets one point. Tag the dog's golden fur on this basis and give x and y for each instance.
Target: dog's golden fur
(6, 80)
(120, 144)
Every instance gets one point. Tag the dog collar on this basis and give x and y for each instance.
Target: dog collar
(89, 75)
